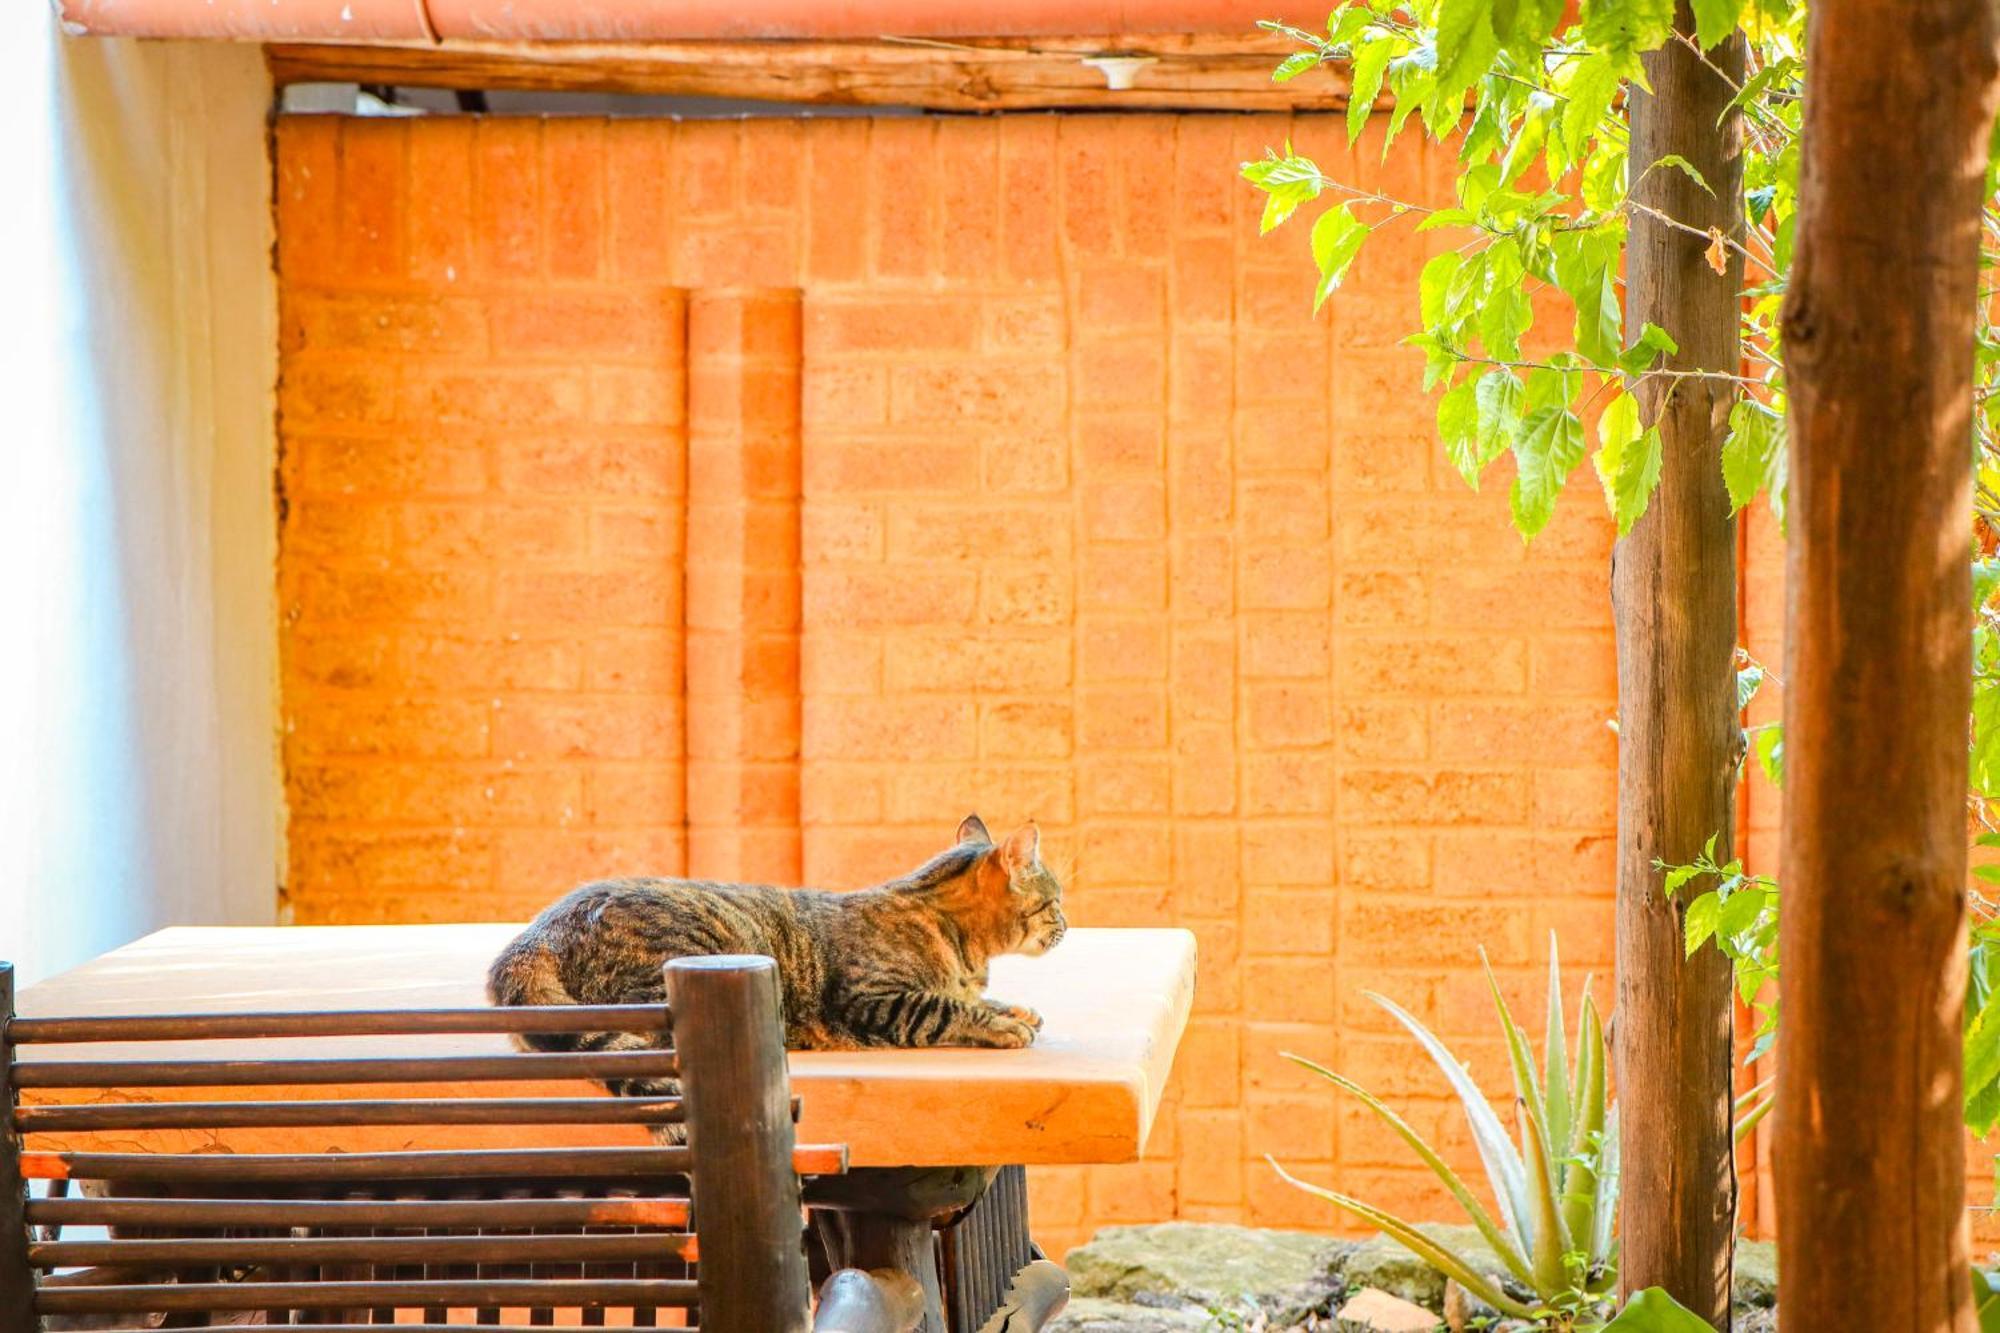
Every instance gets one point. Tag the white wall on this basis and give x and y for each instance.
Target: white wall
(139, 782)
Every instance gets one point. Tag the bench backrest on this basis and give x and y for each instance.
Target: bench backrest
(543, 1236)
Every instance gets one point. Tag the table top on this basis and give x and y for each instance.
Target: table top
(1114, 1002)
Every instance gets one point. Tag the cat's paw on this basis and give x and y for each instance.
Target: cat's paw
(1020, 1013)
(1009, 1033)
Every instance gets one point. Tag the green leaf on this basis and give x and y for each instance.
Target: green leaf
(1702, 914)
(1753, 455)
(1465, 49)
(1445, 1260)
(1982, 1050)
(1336, 240)
(1653, 342)
(1715, 20)
(1546, 451)
(1458, 428)
(1653, 1311)
(1286, 181)
(1505, 313)
(1593, 84)
(1628, 26)
(1604, 178)
(1687, 168)
(1499, 397)
(1433, 287)
(1504, 1170)
(1678, 877)
(1499, 1241)
(1371, 61)
(1771, 754)
(1295, 64)
(1985, 1302)
(1627, 460)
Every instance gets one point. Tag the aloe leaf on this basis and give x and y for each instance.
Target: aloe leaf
(1496, 1149)
(1527, 1078)
(1746, 1124)
(1607, 1186)
(1503, 1245)
(1445, 1260)
(1746, 1100)
(1550, 1242)
(1579, 1200)
(1554, 1049)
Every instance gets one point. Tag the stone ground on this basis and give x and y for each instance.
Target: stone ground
(1188, 1276)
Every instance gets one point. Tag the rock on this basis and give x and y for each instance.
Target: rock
(1756, 1275)
(1384, 1264)
(1288, 1275)
(1090, 1315)
(1463, 1310)
(1374, 1311)
(1756, 1321)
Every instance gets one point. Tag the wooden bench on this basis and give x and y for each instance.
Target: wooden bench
(478, 1238)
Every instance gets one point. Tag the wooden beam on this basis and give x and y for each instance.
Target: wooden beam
(1184, 72)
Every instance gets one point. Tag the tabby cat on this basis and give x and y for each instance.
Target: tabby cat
(900, 964)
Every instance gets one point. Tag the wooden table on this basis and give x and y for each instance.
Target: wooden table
(926, 1128)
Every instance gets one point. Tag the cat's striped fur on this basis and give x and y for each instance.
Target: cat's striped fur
(899, 964)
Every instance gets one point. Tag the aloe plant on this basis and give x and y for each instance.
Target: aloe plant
(1557, 1192)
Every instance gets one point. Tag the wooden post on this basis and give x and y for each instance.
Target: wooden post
(1878, 336)
(17, 1280)
(1673, 594)
(752, 1271)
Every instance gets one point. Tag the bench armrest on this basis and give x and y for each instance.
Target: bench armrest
(883, 1301)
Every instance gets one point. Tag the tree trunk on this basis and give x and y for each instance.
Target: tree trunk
(1878, 333)
(1680, 737)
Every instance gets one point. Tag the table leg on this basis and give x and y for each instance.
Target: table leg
(885, 1217)
(984, 1250)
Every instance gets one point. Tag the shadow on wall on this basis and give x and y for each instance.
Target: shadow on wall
(137, 698)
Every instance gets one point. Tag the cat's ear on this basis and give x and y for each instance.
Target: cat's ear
(1022, 850)
(973, 829)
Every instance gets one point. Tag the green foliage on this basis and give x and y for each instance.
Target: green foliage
(1653, 1311)
(1557, 1194)
(1534, 92)
(1530, 96)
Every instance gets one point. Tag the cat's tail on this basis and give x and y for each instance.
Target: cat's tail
(526, 973)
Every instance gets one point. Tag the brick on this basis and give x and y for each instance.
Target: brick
(372, 199)
(1289, 921)
(574, 204)
(307, 191)
(1122, 718)
(1290, 782)
(1445, 797)
(1489, 731)
(1285, 579)
(1125, 511)
(643, 325)
(1035, 462)
(960, 663)
(1025, 597)
(1124, 785)
(316, 322)
(1283, 715)
(638, 221)
(581, 726)
(1027, 730)
(980, 533)
(837, 195)
(506, 184)
(855, 728)
(1280, 854)
(900, 596)
(1287, 646)
(1117, 649)
(1382, 732)
(888, 324)
(1120, 578)
(890, 466)
(1420, 666)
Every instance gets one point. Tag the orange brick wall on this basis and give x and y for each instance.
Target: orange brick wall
(1094, 523)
